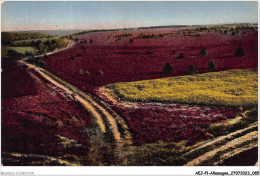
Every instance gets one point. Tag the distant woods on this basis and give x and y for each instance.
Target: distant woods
(42, 45)
(17, 44)
(8, 37)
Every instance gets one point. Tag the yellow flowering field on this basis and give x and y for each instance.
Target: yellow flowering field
(225, 88)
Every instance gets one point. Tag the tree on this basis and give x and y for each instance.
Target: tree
(47, 42)
(82, 47)
(28, 53)
(181, 56)
(14, 53)
(233, 33)
(79, 55)
(167, 69)
(239, 51)
(71, 57)
(203, 52)
(225, 31)
(192, 70)
(33, 43)
(148, 52)
(36, 61)
(41, 47)
(212, 65)
(38, 42)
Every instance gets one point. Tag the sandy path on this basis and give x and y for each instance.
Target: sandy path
(90, 105)
(221, 138)
(230, 145)
(236, 151)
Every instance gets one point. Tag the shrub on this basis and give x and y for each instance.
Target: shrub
(192, 70)
(79, 55)
(233, 33)
(173, 51)
(167, 69)
(239, 51)
(90, 41)
(212, 66)
(14, 53)
(71, 57)
(81, 72)
(147, 36)
(181, 56)
(148, 52)
(100, 72)
(76, 39)
(28, 53)
(131, 40)
(87, 72)
(225, 31)
(203, 52)
(82, 47)
(36, 61)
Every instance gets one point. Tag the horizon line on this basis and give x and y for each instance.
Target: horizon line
(131, 28)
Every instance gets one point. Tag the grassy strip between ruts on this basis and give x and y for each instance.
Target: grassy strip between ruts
(225, 88)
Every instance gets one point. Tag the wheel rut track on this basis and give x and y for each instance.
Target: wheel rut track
(230, 145)
(105, 117)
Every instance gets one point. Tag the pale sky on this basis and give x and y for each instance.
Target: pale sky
(110, 15)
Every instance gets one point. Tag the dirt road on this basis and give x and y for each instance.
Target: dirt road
(225, 147)
(108, 121)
